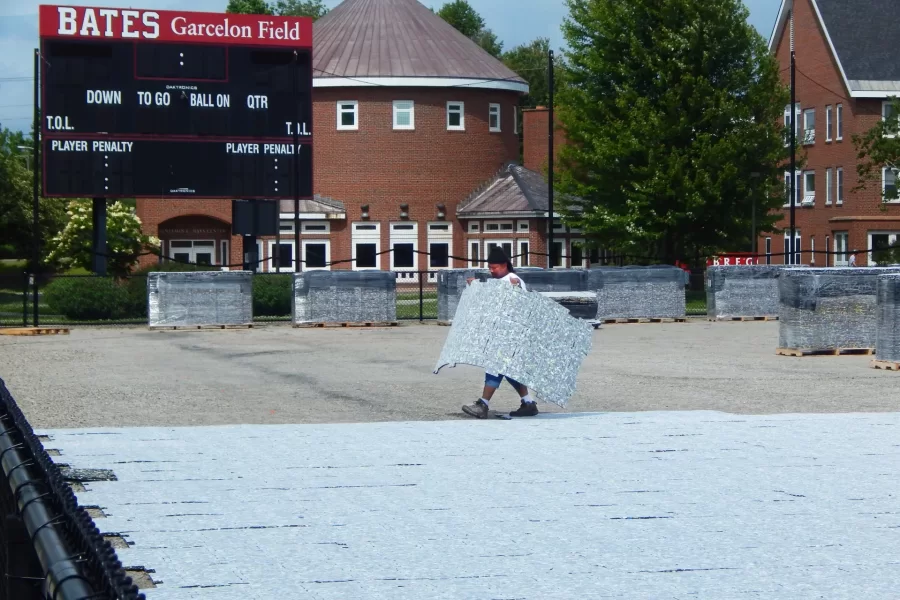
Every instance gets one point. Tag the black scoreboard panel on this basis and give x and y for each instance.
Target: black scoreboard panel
(167, 89)
(175, 168)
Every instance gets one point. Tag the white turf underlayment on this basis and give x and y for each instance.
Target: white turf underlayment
(624, 505)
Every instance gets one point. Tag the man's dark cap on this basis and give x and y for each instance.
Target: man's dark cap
(497, 256)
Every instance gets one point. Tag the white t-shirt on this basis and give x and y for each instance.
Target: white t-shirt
(509, 276)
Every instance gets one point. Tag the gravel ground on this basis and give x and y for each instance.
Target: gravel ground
(104, 377)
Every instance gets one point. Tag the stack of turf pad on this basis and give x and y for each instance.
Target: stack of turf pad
(201, 298)
(828, 309)
(887, 343)
(344, 297)
(632, 292)
(742, 291)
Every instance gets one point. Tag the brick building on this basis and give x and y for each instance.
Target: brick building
(847, 66)
(415, 128)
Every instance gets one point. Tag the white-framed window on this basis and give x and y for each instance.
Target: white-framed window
(404, 114)
(829, 123)
(440, 245)
(557, 260)
(839, 114)
(474, 254)
(495, 226)
(889, 184)
(282, 260)
(839, 192)
(198, 252)
(494, 117)
(809, 126)
(558, 226)
(768, 251)
(841, 243)
(404, 246)
(474, 226)
(523, 258)
(787, 123)
(887, 110)
(224, 255)
(798, 183)
(827, 249)
(286, 226)
(516, 120)
(348, 115)
(787, 247)
(316, 227)
(829, 172)
(317, 255)
(809, 187)
(456, 119)
(365, 240)
(812, 250)
(880, 240)
(505, 245)
(523, 227)
(576, 254)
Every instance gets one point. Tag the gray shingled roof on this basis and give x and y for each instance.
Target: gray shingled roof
(319, 204)
(397, 38)
(514, 190)
(864, 34)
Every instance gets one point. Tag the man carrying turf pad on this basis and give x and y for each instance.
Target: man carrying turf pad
(501, 268)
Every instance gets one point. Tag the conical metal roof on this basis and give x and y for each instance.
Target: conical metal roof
(400, 42)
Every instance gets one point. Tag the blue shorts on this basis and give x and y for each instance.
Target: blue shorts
(494, 381)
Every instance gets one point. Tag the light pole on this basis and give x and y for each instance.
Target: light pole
(753, 245)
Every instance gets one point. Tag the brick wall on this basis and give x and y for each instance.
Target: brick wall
(819, 84)
(535, 139)
(384, 168)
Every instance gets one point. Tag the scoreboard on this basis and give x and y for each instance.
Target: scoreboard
(174, 104)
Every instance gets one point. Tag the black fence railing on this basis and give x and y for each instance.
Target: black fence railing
(50, 547)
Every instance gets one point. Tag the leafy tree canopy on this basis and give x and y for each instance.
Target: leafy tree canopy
(466, 20)
(879, 149)
(281, 8)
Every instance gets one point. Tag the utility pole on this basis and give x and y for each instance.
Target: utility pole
(550, 163)
(793, 146)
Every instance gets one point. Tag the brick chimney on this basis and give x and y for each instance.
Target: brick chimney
(535, 141)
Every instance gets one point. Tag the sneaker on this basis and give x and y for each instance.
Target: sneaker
(479, 409)
(527, 409)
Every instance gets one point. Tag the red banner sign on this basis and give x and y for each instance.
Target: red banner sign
(84, 22)
(733, 259)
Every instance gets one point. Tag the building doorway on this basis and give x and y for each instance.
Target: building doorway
(198, 252)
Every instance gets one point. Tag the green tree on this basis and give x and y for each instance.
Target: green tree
(248, 7)
(530, 62)
(16, 198)
(73, 246)
(672, 110)
(879, 149)
(466, 20)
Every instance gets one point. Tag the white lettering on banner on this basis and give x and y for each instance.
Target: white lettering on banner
(268, 30)
(236, 148)
(257, 102)
(58, 123)
(180, 26)
(278, 149)
(100, 146)
(301, 128)
(68, 146)
(104, 97)
(90, 24)
(67, 24)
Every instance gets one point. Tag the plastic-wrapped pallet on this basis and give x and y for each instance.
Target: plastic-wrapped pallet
(634, 292)
(887, 342)
(524, 335)
(451, 284)
(581, 305)
(344, 297)
(828, 308)
(201, 298)
(554, 280)
(742, 291)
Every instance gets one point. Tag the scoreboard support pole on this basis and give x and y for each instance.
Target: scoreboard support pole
(296, 182)
(98, 221)
(36, 171)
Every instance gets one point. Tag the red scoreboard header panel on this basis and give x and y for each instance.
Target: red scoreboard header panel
(175, 104)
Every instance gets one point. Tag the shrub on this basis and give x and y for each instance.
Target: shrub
(86, 298)
(136, 285)
(271, 295)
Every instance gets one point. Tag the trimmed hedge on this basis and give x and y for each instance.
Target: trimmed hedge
(271, 295)
(87, 298)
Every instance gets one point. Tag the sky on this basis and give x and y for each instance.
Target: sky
(19, 35)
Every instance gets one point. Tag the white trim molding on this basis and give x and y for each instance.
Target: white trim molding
(433, 82)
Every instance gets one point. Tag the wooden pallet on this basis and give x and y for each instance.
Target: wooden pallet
(826, 352)
(34, 331)
(887, 365)
(643, 320)
(196, 327)
(332, 325)
(764, 318)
